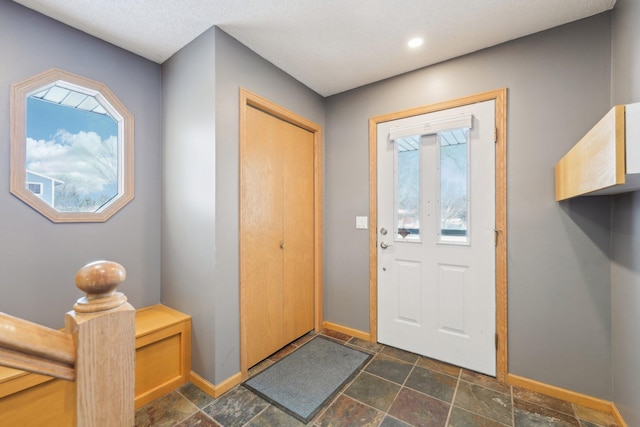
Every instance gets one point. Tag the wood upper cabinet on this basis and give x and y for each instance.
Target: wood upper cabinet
(606, 160)
(277, 233)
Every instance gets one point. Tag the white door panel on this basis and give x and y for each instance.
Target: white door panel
(436, 217)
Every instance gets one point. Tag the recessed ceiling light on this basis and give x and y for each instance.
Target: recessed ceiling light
(415, 42)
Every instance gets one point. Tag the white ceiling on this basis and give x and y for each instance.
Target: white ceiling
(329, 45)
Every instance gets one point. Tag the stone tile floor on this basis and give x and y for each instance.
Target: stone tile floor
(395, 389)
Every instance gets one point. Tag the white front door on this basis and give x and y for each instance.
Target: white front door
(436, 235)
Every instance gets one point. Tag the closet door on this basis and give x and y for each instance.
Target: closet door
(298, 232)
(277, 240)
(261, 235)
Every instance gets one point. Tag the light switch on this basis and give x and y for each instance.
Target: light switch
(362, 222)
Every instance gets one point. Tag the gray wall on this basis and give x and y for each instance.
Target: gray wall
(188, 186)
(558, 254)
(625, 267)
(625, 305)
(39, 259)
(200, 228)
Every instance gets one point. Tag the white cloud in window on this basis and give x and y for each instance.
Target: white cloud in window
(83, 159)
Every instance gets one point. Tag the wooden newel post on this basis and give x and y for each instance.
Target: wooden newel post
(103, 328)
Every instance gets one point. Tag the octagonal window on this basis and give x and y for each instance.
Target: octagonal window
(71, 148)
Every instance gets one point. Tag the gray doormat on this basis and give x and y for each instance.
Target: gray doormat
(302, 382)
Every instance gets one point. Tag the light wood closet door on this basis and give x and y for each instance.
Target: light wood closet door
(277, 240)
(298, 232)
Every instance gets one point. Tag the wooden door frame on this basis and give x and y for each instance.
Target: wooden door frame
(500, 98)
(251, 100)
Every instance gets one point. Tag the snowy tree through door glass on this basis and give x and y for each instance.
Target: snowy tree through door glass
(407, 194)
(454, 186)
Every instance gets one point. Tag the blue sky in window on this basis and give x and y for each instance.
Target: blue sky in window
(53, 117)
(75, 146)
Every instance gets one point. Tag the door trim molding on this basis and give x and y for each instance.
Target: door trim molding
(500, 98)
(249, 99)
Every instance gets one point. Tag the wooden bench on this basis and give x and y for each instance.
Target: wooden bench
(163, 363)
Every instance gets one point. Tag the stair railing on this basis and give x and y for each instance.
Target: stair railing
(96, 348)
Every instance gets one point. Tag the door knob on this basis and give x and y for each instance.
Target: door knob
(281, 245)
(384, 245)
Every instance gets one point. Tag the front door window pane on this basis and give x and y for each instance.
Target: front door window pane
(407, 191)
(454, 186)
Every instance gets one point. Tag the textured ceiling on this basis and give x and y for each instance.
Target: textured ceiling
(329, 45)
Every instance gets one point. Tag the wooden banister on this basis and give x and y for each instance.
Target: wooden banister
(46, 351)
(96, 349)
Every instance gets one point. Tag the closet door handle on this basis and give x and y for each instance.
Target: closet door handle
(281, 245)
